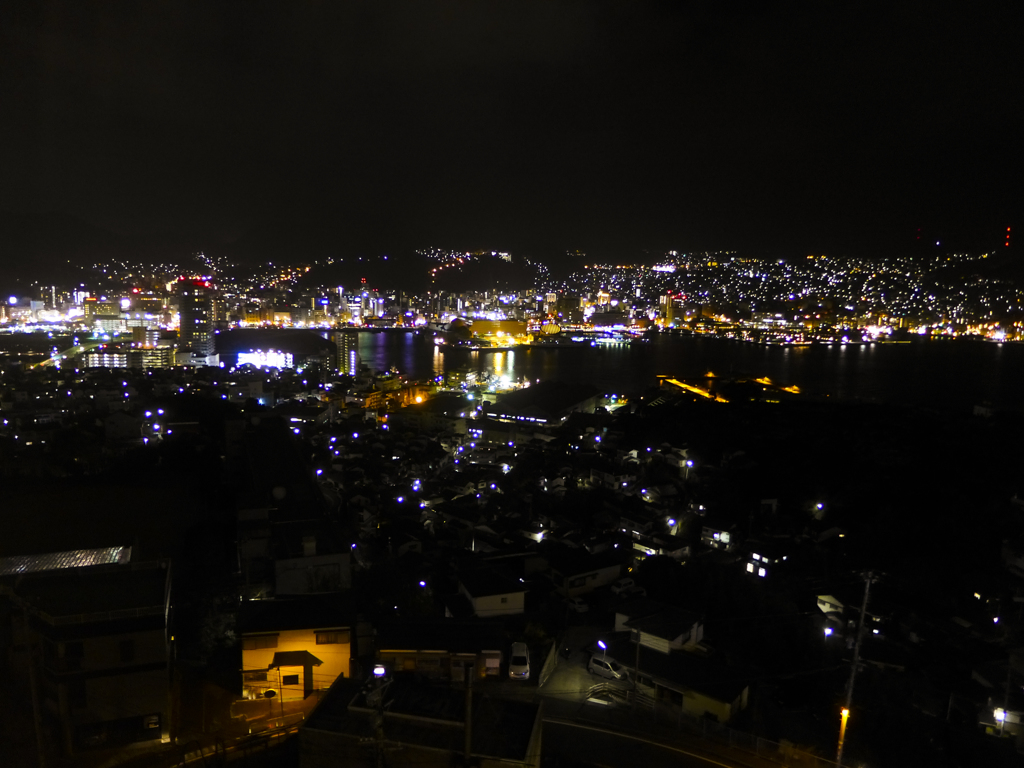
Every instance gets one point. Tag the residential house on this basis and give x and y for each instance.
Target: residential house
(100, 634)
(442, 650)
(656, 625)
(295, 645)
(765, 558)
(576, 572)
(289, 557)
(486, 593)
(717, 538)
(694, 683)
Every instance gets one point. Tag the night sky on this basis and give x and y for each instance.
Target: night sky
(774, 127)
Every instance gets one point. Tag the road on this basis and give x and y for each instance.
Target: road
(576, 745)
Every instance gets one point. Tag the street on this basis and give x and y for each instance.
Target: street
(575, 744)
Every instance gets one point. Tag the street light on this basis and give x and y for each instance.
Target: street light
(842, 734)
(603, 647)
(828, 631)
(1000, 716)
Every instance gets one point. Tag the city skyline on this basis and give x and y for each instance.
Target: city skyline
(574, 382)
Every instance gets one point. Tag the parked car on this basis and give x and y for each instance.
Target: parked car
(519, 663)
(604, 667)
(576, 604)
(622, 585)
(633, 591)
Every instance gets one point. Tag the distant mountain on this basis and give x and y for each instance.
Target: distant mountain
(45, 246)
(49, 247)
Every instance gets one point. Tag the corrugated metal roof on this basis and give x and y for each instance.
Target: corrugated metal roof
(53, 561)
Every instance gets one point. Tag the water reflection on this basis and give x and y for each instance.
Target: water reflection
(937, 373)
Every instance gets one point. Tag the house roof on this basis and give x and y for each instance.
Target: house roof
(681, 669)
(448, 635)
(305, 612)
(667, 624)
(570, 562)
(484, 583)
(294, 659)
(53, 561)
(547, 399)
(104, 589)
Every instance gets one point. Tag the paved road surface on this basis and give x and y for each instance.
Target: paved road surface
(576, 745)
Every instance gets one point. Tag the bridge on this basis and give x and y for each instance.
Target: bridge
(74, 351)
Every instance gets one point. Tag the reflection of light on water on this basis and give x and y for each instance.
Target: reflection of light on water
(501, 362)
(438, 362)
(504, 365)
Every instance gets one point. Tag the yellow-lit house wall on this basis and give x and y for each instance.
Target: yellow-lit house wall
(333, 649)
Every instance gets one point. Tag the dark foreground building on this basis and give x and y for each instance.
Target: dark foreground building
(422, 725)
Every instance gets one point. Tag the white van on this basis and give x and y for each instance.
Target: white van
(603, 667)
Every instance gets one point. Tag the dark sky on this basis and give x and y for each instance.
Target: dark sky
(772, 126)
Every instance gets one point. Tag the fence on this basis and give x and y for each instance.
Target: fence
(663, 713)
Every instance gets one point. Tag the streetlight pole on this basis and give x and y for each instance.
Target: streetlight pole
(280, 687)
(842, 734)
(379, 673)
(853, 668)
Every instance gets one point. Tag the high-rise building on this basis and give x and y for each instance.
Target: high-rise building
(195, 316)
(348, 353)
(668, 308)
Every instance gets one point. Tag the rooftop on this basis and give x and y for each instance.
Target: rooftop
(54, 561)
(309, 612)
(97, 593)
(501, 729)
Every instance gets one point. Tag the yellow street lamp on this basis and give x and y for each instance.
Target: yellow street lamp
(842, 735)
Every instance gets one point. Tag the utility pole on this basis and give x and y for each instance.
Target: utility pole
(853, 668)
(380, 684)
(636, 671)
(467, 747)
(37, 717)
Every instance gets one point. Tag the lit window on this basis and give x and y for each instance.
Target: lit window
(761, 572)
(757, 556)
(255, 643)
(332, 638)
(750, 567)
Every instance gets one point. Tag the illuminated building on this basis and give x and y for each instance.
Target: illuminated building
(123, 356)
(117, 358)
(195, 311)
(668, 308)
(270, 358)
(145, 337)
(348, 352)
(275, 347)
(93, 307)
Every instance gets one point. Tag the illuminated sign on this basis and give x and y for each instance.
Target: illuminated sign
(270, 358)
